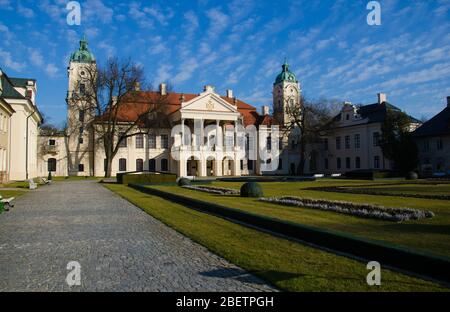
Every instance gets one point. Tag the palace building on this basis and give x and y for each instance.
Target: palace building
(78, 151)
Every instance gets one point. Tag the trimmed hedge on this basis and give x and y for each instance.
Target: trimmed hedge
(268, 179)
(403, 258)
(146, 178)
(371, 174)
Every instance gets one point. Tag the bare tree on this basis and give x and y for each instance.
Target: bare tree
(306, 121)
(115, 107)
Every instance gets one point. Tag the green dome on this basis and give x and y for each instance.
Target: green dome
(83, 55)
(285, 74)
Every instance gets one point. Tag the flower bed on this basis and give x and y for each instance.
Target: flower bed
(212, 189)
(354, 209)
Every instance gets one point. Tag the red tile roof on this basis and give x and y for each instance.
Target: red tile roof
(136, 104)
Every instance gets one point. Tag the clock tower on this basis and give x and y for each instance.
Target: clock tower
(286, 93)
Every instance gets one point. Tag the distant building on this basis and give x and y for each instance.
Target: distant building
(20, 119)
(352, 140)
(84, 155)
(433, 141)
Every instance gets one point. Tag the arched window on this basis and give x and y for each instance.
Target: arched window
(51, 164)
(357, 163)
(139, 165)
(164, 165)
(152, 165)
(122, 164)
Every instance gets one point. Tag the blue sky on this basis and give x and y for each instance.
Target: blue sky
(240, 45)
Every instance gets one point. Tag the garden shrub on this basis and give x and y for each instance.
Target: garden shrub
(411, 176)
(251, 189)
(184, 182)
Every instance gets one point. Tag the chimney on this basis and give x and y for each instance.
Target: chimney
(137, 86)
(163, 89)
(229, 93)
(448, 101)
(265, 110)
(382, 97)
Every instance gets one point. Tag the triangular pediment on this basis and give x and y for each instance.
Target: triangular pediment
(209, 102)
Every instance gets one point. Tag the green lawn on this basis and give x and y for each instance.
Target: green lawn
(286, 264)
(430, 235)
(11, 193)
(420, 189)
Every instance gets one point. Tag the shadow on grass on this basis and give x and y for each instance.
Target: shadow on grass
(246, 277)
(419, 228)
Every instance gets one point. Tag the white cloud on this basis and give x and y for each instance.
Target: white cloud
(218, 22)
(96, 10)
(27, 12)
(187, 69)
(51, 70)
(163, 73)
(36, 57)
(162, 17)
(9, 62)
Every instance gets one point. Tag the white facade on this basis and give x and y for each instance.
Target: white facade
(23, 127)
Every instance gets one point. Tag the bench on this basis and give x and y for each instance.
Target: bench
(8, 202)
(31, 184)
(45, 181)
(319, 175)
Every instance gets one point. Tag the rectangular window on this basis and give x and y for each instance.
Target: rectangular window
(151, 141)
(122, 164)
(347, 162)
(51, 164)
(280, 164)
(80, 140)
(250, 164)
(51, 142)
(338, 143)
(376, 162)
(164, 141)
(164, 164)
(357, 163)
(269, 143)
(139, 141)
(82, 88)
(325, 163)
(338, 163)
(80, 167)
(357, 141)
(347, 142)
(123, 143)
(376, 139)
(81, 115)
(426, 146)
(439, 145)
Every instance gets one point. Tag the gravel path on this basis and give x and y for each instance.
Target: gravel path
(118, 246)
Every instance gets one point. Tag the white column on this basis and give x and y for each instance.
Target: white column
(182, 132)
(218, 136)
